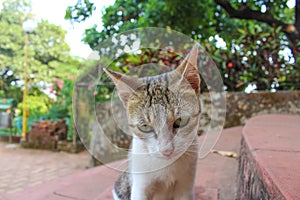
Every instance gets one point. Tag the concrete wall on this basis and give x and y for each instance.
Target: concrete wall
(239, 108)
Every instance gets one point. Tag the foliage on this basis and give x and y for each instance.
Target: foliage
(81, 11)
(125, 15)
(57, 112)
(40, 106)
(256, 58)
(62, 108)
(63, 90)
(37, 103)
(194, 18)
(9, 87)
(271, 13)
(48, 58)
(48, 53)
(253, 51)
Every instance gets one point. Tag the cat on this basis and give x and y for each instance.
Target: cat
(163, 116)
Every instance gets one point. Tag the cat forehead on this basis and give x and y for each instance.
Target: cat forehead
(160, 94)
(157, 99)
(152, 94)
(167, 79)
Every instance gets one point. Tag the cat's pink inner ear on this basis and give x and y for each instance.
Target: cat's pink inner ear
(125, 84)
(189, 70)
(124, 95)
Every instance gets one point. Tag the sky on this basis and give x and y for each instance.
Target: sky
(54, 12)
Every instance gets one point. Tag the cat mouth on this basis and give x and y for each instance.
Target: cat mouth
(161, 156)
(166, 157)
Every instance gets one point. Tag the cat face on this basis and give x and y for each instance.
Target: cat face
(163, 111)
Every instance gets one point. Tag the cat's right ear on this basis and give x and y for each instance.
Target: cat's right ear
(126, 85)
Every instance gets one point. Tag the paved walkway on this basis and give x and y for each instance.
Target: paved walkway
(216, 178)
(24, 168)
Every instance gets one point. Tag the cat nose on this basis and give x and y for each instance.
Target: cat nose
(166, 146)
(167, 152)
(167, 149)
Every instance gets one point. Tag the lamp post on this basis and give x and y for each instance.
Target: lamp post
(28, 27)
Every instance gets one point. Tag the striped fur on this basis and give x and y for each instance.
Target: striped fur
(166, 169)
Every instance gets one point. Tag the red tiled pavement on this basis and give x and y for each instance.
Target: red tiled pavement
(274, 141)
(25, 168)
(216, 178)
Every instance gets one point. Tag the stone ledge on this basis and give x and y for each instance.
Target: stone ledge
(216, 173)
(270, 158)
(239, 108)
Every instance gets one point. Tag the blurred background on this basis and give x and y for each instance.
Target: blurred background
(45, 44)
(49, 47)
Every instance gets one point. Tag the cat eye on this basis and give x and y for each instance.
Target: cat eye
(145, 128)
(181, 122)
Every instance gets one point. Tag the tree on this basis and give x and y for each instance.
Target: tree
(254, 49)
(194, 18)
(272, 13)
(48, 53)
(125, 15)
(8, 85)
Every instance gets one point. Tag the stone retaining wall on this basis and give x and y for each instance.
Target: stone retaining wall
(239, 108)
(250, 184)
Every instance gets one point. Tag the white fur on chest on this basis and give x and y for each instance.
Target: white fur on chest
(146, 169)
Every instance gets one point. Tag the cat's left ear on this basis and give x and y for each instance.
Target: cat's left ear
(126, 85)
(189, 70)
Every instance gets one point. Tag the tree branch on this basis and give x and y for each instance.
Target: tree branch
(297, 15)
(248, 13)
(292, 31)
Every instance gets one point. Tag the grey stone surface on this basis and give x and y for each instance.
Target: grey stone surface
(108, 140)
(250, 183)
(239, 107)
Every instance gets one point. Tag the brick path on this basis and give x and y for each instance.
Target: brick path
(24, 168)
(216, 178)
